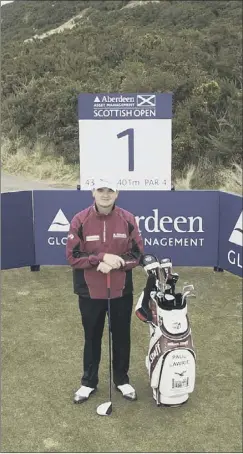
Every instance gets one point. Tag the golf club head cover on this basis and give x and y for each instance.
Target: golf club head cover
(149, 263)
(142, 309)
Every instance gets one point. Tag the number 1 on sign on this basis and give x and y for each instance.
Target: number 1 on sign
(130, 133)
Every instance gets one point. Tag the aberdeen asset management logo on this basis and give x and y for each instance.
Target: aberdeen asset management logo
(60, 223)
(236, 236)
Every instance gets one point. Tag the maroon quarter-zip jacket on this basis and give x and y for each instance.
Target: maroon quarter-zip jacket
(90, 237)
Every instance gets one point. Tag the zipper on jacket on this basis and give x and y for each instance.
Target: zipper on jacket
(104, 233)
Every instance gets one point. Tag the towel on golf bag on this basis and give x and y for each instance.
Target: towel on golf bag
(171, 356)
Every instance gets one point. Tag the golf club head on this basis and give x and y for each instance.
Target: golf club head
(160, 295)
(166, 263)
(188, 294)
(166, 266)
(104, 409)
(187, 288)
(169, 297)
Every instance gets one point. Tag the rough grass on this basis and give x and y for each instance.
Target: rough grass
(225, 179)
(42, 342)
(232, 179)
(41, 165)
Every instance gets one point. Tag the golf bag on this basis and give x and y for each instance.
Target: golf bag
(171, 358)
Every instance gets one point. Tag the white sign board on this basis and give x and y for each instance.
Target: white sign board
(126, 137)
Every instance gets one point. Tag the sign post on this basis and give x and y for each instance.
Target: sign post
(126, 137)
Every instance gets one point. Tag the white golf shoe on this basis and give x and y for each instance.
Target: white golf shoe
(127, 391)
(82, 394)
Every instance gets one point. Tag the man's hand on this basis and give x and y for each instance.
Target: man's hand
(113, 260)
(104, 268)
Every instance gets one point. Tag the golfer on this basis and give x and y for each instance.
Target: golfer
(103, 239)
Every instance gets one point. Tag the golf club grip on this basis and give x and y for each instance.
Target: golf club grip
(108, 285)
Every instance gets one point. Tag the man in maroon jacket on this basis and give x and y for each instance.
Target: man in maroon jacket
(103, 239)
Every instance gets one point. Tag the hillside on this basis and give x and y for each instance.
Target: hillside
(193, 49)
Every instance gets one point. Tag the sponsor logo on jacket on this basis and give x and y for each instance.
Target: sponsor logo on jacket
(92, 238)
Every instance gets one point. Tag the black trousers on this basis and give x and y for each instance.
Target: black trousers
(93, 313)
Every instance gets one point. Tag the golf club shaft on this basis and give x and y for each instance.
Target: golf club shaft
(109, 327)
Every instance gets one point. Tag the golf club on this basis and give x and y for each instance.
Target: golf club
(105, 409)
(187, 287)
(187, 294)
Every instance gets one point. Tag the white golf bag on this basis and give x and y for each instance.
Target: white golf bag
(171, 358)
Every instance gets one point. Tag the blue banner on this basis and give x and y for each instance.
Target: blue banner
(124, 106)
(53, 211)
(230, 233)
(182, 225)
(17, 237)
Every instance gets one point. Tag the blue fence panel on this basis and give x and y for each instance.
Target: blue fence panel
(194, 228)
(53, 210)
(17, 236)
(180, 224)
(231, 233)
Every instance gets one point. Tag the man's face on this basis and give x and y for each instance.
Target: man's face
(105, 197)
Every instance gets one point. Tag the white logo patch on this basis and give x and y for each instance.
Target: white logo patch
(71, 236)
(119, 235)
(236, 236)
(60, 223)
(92, 238)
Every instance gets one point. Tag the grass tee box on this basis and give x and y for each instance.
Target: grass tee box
(42, 342)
